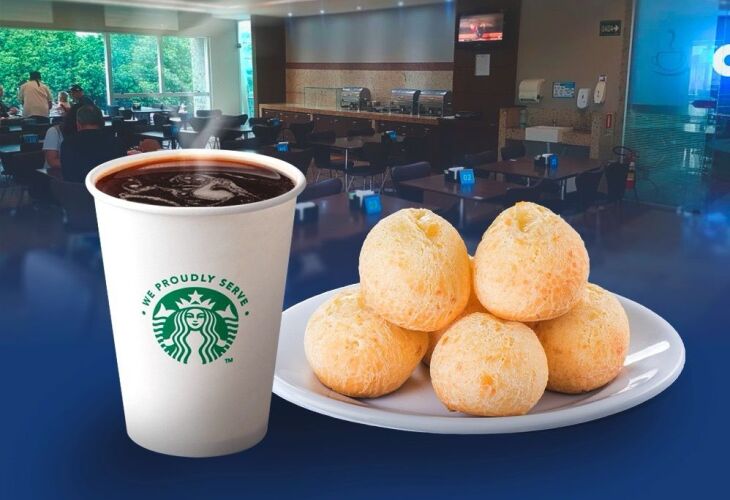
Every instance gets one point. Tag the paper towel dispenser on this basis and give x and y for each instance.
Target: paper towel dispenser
(531, 90)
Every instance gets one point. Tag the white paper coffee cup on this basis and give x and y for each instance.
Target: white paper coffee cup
(195, 295)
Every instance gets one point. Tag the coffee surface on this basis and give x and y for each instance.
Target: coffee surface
(195, 184)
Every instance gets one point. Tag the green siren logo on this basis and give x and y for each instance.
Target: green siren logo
(195, 319)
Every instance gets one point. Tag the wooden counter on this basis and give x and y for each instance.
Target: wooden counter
(343, 121)
(345, 113)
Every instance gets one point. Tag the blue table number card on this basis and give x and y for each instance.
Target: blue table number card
(392, 134)
(371, 204)
(282, 147)
(466, 177)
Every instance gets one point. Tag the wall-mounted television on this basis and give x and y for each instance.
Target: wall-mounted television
(480, 28)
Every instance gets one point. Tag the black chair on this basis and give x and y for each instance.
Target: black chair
(376, 156)
(616, 174)
(39, 129)
(160, 119)
(302, 158)
(232, 121)
(77, 204)
(193, 140)
(415, 148)
(208, 113)
(408, 172)
(198, 123)
(27, 147)
(258, 121)
(230, 127)
(22, 167)
(481, 158)
(112, 111)
(323, 155)
(10, 138)
(361, 131)
(301, 132)
(517, 194)
(586, 185)
(512, 152)
(320, 189)
(267, 134)
(126, 114)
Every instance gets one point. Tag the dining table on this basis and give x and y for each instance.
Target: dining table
(337, 220)
(568, 167)
(481, 190)
(345, 145)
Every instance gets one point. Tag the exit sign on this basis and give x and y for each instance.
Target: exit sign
(610, 28)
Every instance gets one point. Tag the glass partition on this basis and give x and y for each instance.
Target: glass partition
(678, 106)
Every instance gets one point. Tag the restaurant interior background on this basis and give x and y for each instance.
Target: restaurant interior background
(665, 244)
(673, 112)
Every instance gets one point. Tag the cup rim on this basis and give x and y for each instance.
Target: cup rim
(124, 162)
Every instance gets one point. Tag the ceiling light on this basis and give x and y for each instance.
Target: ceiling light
(321, 11)
(359, 7)
(400, 4)
(290, 14)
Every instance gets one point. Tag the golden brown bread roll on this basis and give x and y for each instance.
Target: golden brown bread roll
(357, 353)
(472, 306)
(489, 367)
(530, 265)
(587, 346)
(414, 270)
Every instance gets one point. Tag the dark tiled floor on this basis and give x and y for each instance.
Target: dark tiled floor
(67, 423)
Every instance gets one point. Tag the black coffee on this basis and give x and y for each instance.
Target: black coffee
(194, 183)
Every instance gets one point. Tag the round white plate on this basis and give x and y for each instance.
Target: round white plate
(655, 360)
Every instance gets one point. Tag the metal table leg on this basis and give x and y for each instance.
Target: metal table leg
(461, 212)
(347, 150)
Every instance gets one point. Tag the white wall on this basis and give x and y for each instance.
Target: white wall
(559, 41)
(414, 34)
(222, 33)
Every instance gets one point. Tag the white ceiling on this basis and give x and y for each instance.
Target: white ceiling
(243, 8)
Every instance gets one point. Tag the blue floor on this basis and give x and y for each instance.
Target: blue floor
(63, 430)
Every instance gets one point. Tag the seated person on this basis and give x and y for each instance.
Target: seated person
(89, 147)
(52, 147)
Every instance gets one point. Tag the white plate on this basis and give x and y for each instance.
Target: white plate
(655, 360)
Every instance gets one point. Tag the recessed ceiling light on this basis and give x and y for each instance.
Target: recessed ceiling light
(321, 11)
(359, 7)
(290, 14)
(400, 4)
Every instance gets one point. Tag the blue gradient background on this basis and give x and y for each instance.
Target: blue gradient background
(63, 430)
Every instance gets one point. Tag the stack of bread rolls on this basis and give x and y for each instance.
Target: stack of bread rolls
(496, 330)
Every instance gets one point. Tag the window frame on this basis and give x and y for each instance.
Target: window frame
(111, 95)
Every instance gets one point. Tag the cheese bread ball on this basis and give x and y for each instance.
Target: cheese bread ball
(355, 352)
(489, 367)
(587, 346)
(414, 270)
(530, 265)
(472, 306)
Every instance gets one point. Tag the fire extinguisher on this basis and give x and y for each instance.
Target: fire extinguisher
(631, 176)
(627, 156)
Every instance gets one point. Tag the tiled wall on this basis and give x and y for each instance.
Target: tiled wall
(379, 82)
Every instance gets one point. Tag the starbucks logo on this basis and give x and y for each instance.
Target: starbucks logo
(198, 322)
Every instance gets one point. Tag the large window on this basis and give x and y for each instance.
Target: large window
(154, 70)
(246, 60)
(62, 57)
(144, 69)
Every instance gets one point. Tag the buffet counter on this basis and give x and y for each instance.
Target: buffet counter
(346, 113)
